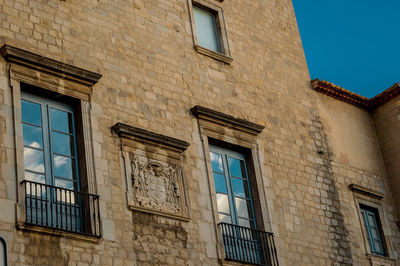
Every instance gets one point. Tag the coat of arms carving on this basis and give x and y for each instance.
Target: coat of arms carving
(155, 185)
(153, 168)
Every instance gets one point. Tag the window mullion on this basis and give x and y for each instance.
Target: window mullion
(48, 148)
(228, 180)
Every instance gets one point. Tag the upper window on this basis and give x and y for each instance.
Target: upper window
(373, 230)
(209, 33)
(206, 29)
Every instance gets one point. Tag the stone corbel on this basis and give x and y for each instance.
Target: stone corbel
(153, 165)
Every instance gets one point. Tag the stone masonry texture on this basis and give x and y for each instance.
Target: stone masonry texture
(312, 148)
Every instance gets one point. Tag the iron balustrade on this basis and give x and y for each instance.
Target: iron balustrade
(248, 245)
(62, 209)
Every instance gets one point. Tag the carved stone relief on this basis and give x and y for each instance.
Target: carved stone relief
(153, 165)
(155, 184)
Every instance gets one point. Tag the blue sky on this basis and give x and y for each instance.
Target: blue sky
(352, 43)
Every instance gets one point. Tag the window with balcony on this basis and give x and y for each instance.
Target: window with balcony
(53, 195)
(53, 145)
(242, 241)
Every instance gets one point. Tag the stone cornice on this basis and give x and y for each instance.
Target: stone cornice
(127, 131)
(344, 95)
(224, 119)
(366, 191)
(31, 60)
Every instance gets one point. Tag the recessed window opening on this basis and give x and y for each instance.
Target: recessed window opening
(373, 230)
(206, 29)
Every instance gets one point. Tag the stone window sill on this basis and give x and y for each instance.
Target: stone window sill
(59, 233)
(212, 54)
(381, 260)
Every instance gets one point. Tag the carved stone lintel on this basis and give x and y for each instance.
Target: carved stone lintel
(34, 61)
(366, 191)
(205, 113)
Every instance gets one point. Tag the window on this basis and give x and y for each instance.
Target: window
(3, 252)
(206, 29)
(49, 138)
(208, 26)
(373, 230)
(53, 145)
(231, 181)
(242, 241)
(53, 196)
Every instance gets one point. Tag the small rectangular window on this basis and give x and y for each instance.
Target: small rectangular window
(206, 29)
(373, 230)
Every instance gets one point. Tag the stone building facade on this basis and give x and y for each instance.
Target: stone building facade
(149, 107)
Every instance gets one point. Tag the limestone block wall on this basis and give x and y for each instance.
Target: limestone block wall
(355, 158)
(387, 125)
(152, 76)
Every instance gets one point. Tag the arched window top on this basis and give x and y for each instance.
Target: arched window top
(3, 252)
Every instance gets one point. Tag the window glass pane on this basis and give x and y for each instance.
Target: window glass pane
(62, 144)
(64, 183)
(63, 167)
(243, 208)
(236, 167)
(223, 203)
(225, 218)
(35, 177)
(240, 188)
(219, 181)
(32, 136)
(244, 222)
(61, 121)
(31, 112)
(216, 162)
(33, 160)
(378, 247)
(206, 29)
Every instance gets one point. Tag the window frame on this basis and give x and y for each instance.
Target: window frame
(372, 199)
(242, 136)
(214, 8)
(365, 211)
(225, 155)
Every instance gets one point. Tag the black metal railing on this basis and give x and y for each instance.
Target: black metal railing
(62, 209)
(248, 245)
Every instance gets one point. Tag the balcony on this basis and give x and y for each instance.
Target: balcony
(61, 209)
(248, 245)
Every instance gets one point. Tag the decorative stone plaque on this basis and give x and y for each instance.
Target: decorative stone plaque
(154, 172)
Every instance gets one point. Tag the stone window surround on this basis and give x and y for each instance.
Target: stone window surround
(216, 8)
(142, 149)
(233, 133)
(59, 78)
(371, 198)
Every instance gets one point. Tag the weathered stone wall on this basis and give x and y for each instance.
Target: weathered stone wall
(152, 76)
(355, 158)
(387, 121)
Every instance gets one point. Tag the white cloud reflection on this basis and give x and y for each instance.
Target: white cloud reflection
(33, 160)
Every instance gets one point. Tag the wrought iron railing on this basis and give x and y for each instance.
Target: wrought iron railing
(248, 245)
(62, 209)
